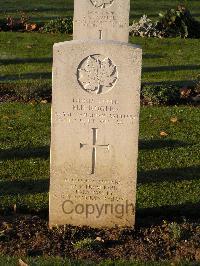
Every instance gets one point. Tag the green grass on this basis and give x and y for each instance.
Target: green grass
(45, 10)
(169, 172)
(42, 261)
(27, 58)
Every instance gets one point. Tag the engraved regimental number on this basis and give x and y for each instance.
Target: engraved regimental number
(94, 148)
(102, 3)
(97, 74)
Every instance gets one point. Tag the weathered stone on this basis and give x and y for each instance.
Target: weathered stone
(101, 19)
(95, 122)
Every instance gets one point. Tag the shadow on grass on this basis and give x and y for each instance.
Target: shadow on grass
(170, 68)
(171, 82)
(23, 187)
(69, 7)
(25, 153)
(25, 60)
(149, 215)
(169, 174)
(160, 143)
(39, 75)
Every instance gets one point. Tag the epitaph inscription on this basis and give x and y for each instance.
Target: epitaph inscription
(97, 74)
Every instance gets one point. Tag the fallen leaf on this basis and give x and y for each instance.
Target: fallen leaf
(44, 101)
(174, 119)
(7, 225)
(22, 263)
(185, 92)
(99, 239)
(31, 27)
(163, 134)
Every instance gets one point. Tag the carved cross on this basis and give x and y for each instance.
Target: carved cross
(100, 35)
(94, 148)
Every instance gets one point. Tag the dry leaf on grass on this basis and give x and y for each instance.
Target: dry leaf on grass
(174, 119)
(163, 134)
(22, 263)
(31, 27)
(44, 101)
(185, 92)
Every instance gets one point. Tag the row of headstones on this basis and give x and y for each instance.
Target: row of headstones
(95, 119)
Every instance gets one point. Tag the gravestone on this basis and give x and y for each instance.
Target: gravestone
(95, 118)
(101, 19)
(95, 124)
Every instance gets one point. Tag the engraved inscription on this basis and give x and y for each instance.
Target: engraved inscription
(102, 3)
(94, 19)
(97, 74)
(103, 19)
(92, 111)
(94, 148)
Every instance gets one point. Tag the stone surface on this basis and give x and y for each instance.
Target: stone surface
(101, 19)
(95, 121)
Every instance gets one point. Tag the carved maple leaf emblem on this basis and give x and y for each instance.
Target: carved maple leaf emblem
(97, 74)
(102, 3)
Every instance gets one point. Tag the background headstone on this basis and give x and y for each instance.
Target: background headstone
(101, 19)
(95, 123)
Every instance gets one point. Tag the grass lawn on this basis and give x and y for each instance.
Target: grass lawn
(7, 261)
(27, 58)
(169, 171)
(41, 11)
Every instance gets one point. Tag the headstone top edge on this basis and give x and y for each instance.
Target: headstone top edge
(96, 42)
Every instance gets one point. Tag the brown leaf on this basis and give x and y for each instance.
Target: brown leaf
(163, 134)
(99, 239)
(22, 263)
(185, 92)
(44, 101)
(31, 27)
(7, 225)
(174, 119)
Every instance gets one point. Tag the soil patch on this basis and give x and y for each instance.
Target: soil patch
(28, 235)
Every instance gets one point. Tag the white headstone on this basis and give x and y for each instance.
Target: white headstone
(101, 19)
(95, 124)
